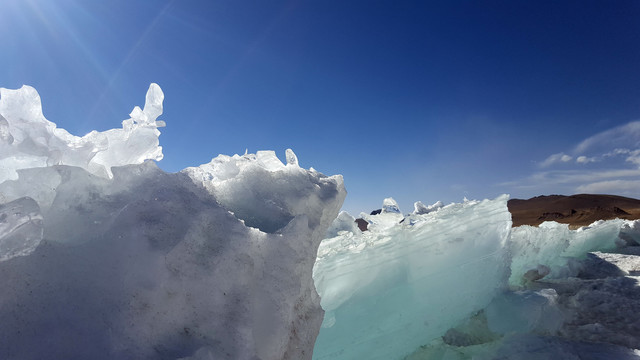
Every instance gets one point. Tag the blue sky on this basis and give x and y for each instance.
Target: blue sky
(415, 100)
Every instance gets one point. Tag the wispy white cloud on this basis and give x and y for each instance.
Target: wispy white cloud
(627, 135)
(607, 162)
(634, 157)
(620, 187)
(616, 152)
(585, 160)
(555, 158)
(575, 176)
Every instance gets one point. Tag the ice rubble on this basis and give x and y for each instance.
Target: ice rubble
(552, 248)
(104, 261)
(254, 188)
(590, 316)
(455, 282)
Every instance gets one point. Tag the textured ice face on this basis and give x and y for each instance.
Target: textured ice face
(264, 192)
(20, 228)
(410, 280)
(405, 281)
(28, 140)
(525, 311)
(551, 249)
(342, 225)
(420, 208)
(103, 261)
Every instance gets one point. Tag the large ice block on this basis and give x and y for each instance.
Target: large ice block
(405, 281)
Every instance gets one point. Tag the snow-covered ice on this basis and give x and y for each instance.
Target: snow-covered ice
(105, 256)
(28, 140)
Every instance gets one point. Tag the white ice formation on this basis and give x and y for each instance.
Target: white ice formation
(420, 208)
(28, 140)
(105, 256)
(264, 192)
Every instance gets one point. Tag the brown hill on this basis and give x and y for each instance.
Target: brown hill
(575, 210)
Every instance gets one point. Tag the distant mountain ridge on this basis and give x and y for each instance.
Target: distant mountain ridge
(575, 210)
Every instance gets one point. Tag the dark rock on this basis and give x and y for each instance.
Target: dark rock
(363, 225)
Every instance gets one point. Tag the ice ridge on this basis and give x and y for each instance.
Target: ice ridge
(105, 256)
(29, 140)
(402, 283)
